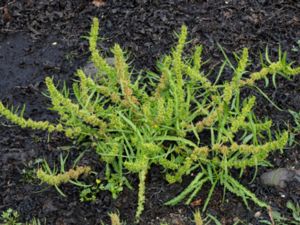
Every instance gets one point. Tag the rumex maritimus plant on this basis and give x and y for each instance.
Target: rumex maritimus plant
(176, 118)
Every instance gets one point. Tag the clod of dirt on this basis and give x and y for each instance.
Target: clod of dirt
(98, 3)
(23, 62)
(280, 177)
(6, 14)
(49, 206)
(90, 70)
(176, 219)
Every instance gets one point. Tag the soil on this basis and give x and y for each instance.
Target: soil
(40, 38)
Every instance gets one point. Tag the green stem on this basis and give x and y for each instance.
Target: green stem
(141, 193)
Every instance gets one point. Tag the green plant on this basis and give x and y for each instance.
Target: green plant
(176, 118)
(29, 171)
(296, 116)
(280, 219)
(294, 129)
(296, 47)
(35, 221)
(198, 218)
(10, 217)
(295, 208)
(115, 219)
(208, 220)
(55, 178)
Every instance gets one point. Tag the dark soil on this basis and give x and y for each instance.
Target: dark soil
(40, 38)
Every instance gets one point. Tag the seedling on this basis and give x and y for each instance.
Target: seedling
(295, 208)
(280, 219)
(10, 217)
(296, 47)
(295, 129)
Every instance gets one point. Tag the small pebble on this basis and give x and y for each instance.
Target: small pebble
(257, 214)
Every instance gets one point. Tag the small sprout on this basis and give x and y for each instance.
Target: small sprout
(115, 219)
(197, 218)
(10, 217)
(98, 181)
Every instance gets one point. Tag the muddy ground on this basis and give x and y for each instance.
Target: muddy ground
(40, 38)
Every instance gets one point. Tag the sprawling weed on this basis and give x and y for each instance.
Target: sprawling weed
(176, 118)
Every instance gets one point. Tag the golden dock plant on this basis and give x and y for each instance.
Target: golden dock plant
(176, 118)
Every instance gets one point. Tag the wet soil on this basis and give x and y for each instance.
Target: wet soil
(40, 38)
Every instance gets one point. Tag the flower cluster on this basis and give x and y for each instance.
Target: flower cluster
(29, 123)
(57, 179)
